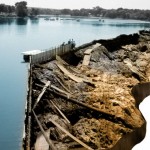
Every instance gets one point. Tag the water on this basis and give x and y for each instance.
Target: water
(18, 35)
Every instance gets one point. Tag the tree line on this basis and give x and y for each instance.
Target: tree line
(7, 9)
(109, 13)
(20, 9)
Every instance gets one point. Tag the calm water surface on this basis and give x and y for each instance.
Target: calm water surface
(18, 35)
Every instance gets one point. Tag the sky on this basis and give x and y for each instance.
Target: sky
(77, 4)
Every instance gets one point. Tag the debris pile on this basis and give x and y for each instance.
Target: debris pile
(90, 105)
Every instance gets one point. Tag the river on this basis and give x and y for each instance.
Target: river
(18, 35)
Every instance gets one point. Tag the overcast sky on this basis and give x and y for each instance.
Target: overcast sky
(73, 4)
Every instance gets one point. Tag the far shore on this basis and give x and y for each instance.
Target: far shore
(64, 16)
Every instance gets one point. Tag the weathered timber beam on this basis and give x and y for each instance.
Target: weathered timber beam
(41, 94)
(61, 113)
(60, 90)
(70, 99)
(87, 54)
(58, 58)
(72, 76)
(61, 61)
(70, 135)
(69, 74)
(62, 84)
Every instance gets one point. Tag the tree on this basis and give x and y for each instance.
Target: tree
(75, 12)
(84, 12)
(65, 11)
(97, 11)
(34, 12)
(3, 8)
(11, 9)
(21, 9)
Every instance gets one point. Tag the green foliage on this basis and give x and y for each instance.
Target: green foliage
(100, 12)
(65, 11)
(3, 8)
(6, 9)
(128, 14)
(21, 9)
(34, 12)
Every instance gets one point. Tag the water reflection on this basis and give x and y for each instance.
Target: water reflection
(124, 25)
(113, 23)
(34, 20)
(130, 25)
(8, 21)
(21, 21)
(22, 25)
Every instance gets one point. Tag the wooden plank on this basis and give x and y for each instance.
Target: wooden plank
(60, 90)
(69, 74)
(86, 60)
(70, 135)
(61, 113)
(61, 61)
(52, 146)
(41, 94)
(87, 54)
(41, 143)
(62, 84)
(89, 51)
(58, 58)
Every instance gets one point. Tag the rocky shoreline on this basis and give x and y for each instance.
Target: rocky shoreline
(92, 102)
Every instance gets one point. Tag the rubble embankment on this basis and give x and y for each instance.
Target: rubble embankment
(92, 102)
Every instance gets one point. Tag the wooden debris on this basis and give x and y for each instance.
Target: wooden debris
(58, 58)
(41, 143)
(41, 94)
(75, 70)
(134, 69)
(72, 76)
(61, 61)
(52, 146)
(101, 109)
(70, 99)
(87, 54)
(86, 60)
(57, 89)
(60, 90)
(88, 51)
(61, 113)
(41, 67)
(69, 74)
(70, 135)
(62, 85)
